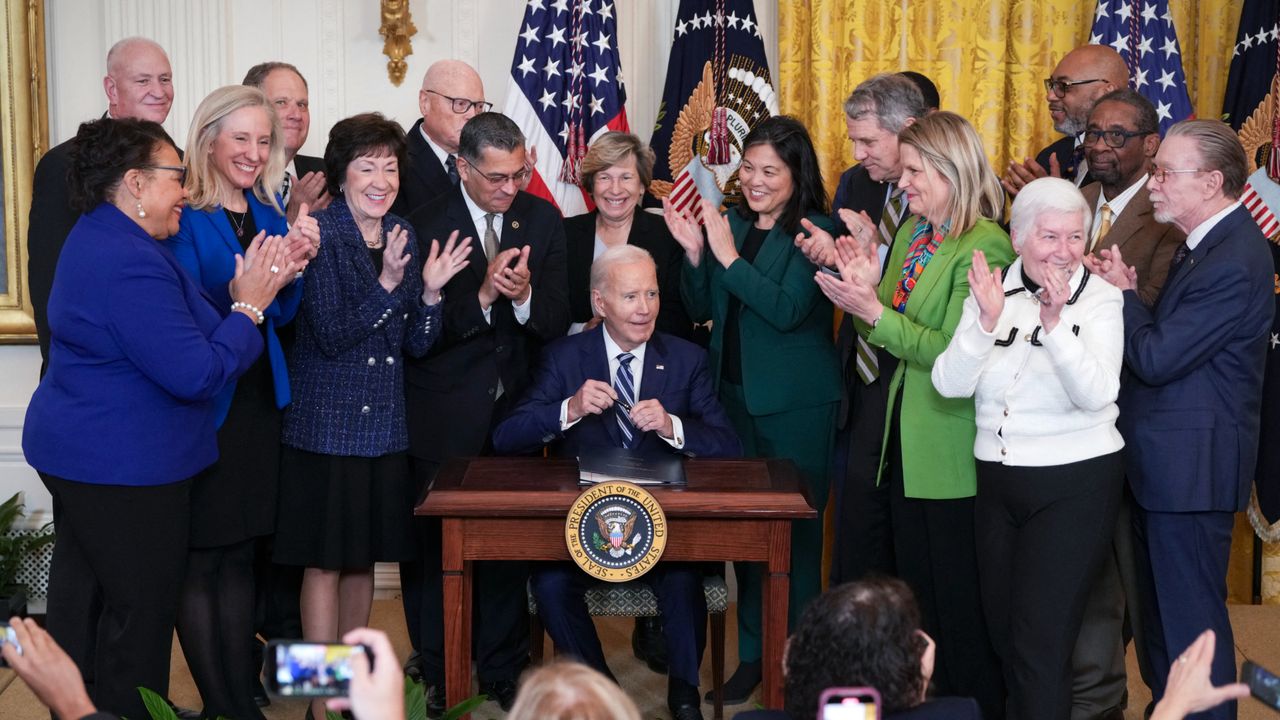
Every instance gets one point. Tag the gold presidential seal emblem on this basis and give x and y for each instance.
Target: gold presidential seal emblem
(616, 531)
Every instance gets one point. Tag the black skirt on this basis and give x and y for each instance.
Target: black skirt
(234, 499)
(343, 512)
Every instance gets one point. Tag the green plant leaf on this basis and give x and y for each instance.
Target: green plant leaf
(415, 700)
(157, 706)
(464, 707)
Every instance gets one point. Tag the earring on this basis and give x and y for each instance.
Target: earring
(342, 188)
(141, 213)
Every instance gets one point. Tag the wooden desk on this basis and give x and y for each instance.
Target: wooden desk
(515, 509)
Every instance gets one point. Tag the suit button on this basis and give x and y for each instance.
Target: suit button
(366, 410)
(1006, 412)
(372, 362)
(1004, 451)
(1028, 337)
(391, 360)
(406, 316)
(500, 349)
(491, 390)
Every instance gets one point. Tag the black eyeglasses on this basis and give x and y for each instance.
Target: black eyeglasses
(182, 171)
(1114, 138)
(1060, 87)
(462, 105)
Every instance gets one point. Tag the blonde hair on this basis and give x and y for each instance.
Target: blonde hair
(612, 148)
(571, 691)
(950, 145)
(205, 186)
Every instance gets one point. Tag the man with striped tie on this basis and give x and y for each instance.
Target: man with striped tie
(623, 385)
(869, 206)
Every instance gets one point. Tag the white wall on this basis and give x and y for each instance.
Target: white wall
(335, 43)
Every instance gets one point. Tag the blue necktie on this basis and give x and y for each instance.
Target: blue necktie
(451, 167)
(624, 385)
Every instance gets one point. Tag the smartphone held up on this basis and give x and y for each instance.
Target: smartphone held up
(306, 669)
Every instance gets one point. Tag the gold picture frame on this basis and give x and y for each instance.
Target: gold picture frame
(24, 133)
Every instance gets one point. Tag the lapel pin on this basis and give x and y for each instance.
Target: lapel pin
(515, 224)
(659, 367)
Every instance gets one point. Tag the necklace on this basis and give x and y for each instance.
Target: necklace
(237, 226)
(378, 240)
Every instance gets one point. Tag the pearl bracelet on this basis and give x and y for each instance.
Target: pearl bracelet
(246, 306)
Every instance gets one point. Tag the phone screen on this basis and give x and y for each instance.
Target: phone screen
(849, 704)
(1263, 684)
(311, 669)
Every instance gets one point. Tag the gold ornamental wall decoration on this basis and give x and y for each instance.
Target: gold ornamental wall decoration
(397, 28)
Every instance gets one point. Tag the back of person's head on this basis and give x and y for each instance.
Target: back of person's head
(932, 101)
(104, 150)
(571, 691)
(860, 634)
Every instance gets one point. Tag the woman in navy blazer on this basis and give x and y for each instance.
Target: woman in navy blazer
(125, 415)
(235, 153)
(346, 500)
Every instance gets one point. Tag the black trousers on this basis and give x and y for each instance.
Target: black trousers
(1043, 533)
(499, 610)
(114, 584)
(863, 531)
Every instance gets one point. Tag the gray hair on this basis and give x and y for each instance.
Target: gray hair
(890, 97)
(257, 74)
(118, 49)
(489, 130)
(1220, 150)
(1046, 194)
(617, 255)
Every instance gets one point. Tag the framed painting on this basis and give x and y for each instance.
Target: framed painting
(23, 138)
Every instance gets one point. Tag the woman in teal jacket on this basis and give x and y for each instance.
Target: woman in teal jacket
(772, 353)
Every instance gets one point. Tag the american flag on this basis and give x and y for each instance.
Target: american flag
(565, 90)
(1250, 108)
(1142, 32)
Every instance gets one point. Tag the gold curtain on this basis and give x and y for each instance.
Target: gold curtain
(988, 58)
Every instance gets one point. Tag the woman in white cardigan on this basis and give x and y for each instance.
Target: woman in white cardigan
(1039, 347)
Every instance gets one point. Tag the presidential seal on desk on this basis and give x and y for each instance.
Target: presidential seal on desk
(616, 531)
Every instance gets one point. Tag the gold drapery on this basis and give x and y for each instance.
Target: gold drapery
(988, 58)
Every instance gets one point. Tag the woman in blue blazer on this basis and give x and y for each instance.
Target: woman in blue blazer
(772, 353)
(235, 153)
(346, 499)
(125, 415)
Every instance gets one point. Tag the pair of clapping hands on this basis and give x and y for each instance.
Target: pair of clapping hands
(273, 261)
(439, 267)
(856, 259)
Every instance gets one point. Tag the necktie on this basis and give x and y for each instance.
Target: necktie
(624, 385)
(1104, 227)
(490, 237)
(1178, 256)
(451, 166)
(865, 361)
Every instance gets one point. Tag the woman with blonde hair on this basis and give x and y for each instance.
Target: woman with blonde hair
(234, 157)
(927, 453)
(571, 691)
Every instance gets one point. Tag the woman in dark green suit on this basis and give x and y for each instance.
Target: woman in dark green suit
(772, 354)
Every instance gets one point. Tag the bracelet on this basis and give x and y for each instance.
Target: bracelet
(246, 306)
(875, 323)
(439, 299)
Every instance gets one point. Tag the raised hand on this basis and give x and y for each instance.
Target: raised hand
(987, 290)
(488, 293)
(1055, 290)
(440, 267)
(264, 268)
(1021, 173)
(307, 190)
(513, 282)
(593, 398)
(817, 244)
(685, 229)
(861, 226)
(1108, 263)
(1190, 689)
(394, 259)
(719, 234)
(304, 235)
(858, 259)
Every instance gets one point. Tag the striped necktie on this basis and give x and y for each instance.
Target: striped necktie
(624, 385)
(1104, 227)
(865, 361)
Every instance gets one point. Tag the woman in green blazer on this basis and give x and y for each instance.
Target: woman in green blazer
(927, 457)
(772, 354)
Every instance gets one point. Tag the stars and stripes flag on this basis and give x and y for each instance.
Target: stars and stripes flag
(565, 90)
(1252, 108)
(1142, 32)
(718, 87)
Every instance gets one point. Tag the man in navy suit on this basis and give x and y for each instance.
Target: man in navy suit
(287, 89)
(579, 400)
(1081, 77)
(1190, 404)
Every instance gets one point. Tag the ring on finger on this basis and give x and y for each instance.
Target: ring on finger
(274, 269)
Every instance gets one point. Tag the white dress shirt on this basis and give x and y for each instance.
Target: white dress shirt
(1198, 232)
(477, 219)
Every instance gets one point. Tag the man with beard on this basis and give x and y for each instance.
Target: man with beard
(1084, 75)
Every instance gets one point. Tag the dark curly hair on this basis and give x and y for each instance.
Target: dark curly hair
(363, 134)
(103, 151)
(789, 138)
(860, 634)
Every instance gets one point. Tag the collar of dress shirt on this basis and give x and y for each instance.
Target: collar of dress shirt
(1119, 202)
(477, 217)
(614, 350)
(1198, 232)
(441, 154)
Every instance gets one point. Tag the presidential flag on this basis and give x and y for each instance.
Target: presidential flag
(1142, 32)
(1250, 107)
(718, 87)
(565, 90)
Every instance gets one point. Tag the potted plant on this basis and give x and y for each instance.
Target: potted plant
(14, 548)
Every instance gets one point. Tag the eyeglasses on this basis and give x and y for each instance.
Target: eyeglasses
(182, 171)
(1158, 173)
(1114, 138)
(498, 180)
(1060, 87)
(462, 105)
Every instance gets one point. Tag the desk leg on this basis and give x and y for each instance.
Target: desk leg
(457, 614)
(777, 587)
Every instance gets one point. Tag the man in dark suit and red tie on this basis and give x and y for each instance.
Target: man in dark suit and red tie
(498, 313)
(1190, 401)
(623, 385)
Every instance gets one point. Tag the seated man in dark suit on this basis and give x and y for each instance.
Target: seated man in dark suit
(578, 399)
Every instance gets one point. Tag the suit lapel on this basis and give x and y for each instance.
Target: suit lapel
(460, 219)
(654, 382)
(1215, 237)
(937, 266)
(1130, 222)
(514, 227)
(595, 366)
(425, 163)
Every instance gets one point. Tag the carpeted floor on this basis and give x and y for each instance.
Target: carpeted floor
(1257, 631)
